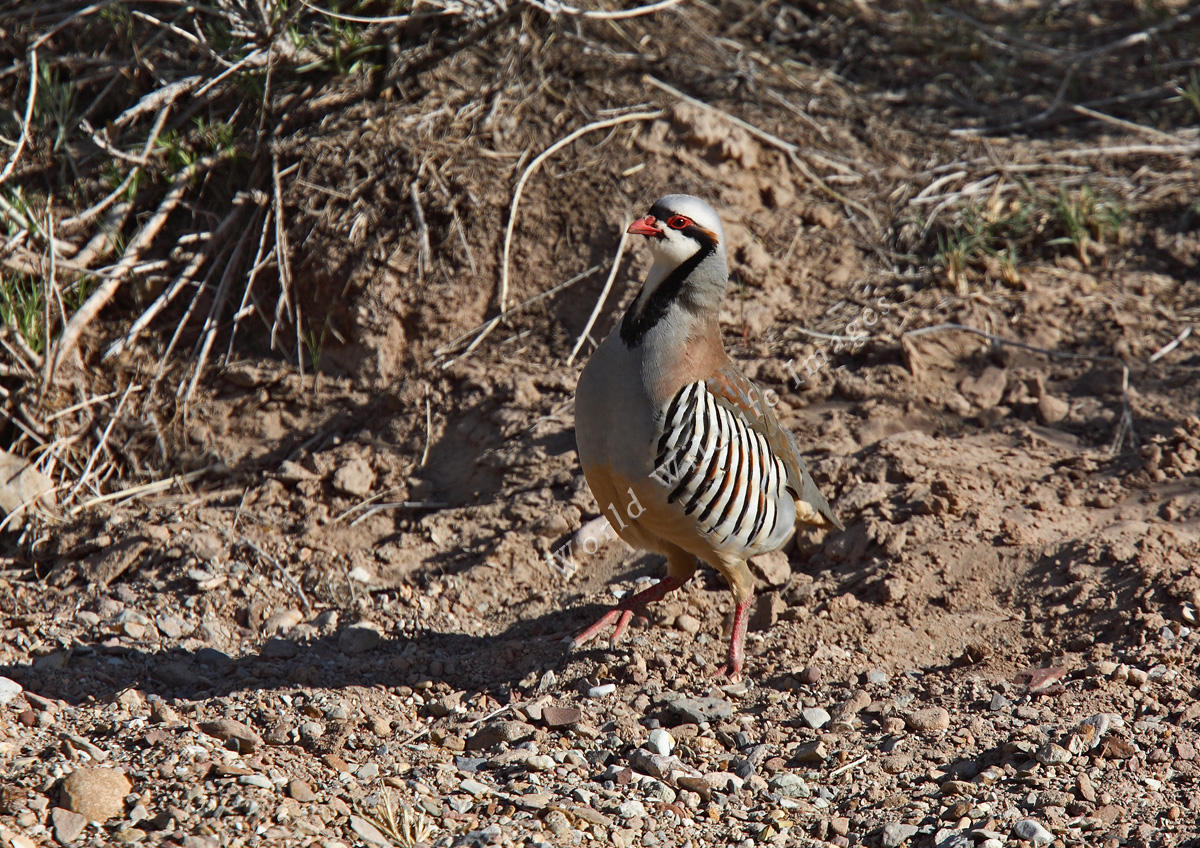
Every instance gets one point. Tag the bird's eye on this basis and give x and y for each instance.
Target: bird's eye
(678, 222)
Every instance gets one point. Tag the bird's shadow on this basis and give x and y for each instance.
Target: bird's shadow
(103, 668)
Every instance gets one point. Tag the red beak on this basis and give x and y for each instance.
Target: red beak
(645, 227)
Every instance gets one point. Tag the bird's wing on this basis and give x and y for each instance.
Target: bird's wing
(734, 390)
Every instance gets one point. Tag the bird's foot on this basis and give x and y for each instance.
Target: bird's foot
(620, 614)
(731, 671)
(623, 612)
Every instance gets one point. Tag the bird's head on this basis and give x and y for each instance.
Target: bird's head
(678, 227)
(689, 274)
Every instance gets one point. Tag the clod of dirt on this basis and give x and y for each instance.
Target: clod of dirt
(96, 793)
(354, 478)
(22, 485)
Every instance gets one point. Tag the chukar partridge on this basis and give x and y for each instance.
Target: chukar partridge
(680, 449)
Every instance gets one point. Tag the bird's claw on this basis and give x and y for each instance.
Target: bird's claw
(621, 615)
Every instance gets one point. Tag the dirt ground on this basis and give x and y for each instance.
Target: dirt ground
(360, 604)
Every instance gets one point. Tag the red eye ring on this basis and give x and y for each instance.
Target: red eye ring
(678, 222)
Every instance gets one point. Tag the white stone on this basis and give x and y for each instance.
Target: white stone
(660, 742)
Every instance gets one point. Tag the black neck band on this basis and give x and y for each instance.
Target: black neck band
(635, 326)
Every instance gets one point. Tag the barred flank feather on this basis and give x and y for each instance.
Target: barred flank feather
(719, 469)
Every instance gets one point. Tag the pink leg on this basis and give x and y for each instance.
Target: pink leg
(623, 612)
(737, 644)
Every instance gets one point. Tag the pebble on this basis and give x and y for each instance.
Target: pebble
(241, 736)
(96, 793)
(815, 717)
(172, 626)
(561, 716)
(282, 621)
(540, 762)
(369, 832)
(1052, 755)
(632, 809)
(67, 824)
(354, 478)
(896, 834)
(1032, 831)
(877, 677)
(9, 689)
(602, 690)
(279, 649)
(473, 787)
(299, 790)
(789, 785)
(660, 742)
(689, 624)
(359, 638)
(258, 780)
(928, 720)
(697, 710)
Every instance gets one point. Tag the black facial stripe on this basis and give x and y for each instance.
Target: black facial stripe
(634, 327)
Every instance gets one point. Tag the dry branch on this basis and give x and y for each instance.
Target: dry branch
(612, 275)
(66, 343)
(29, 101)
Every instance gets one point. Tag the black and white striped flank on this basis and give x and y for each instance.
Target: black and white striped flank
(721, 471)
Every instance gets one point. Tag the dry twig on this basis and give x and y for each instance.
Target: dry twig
(612, 275)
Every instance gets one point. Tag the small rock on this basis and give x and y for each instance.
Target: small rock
(359, 574)
(811, 675)
(602, 690)
(789, 785)
(9, 689)
(811, 752)
(279, 649)
(259, 781)
(632, 809)
(877, 677)
(928, 720)
(299, 790)
(21, 484)
(540, 762)
(696, 710)
(689, 624)
(282, 621)
(561, 716)
(1052, 755)
(987, 389)
(359, 638)
(354, 478)
(241, 736)
(1051, 409)
(998, 703)
(369, 832)
(896, 834)
(660, 742)
(774, 568)
(1032, 831)
(172, 626)
(815, 717)
(473, 787)
(97, 793)
(67, 825)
